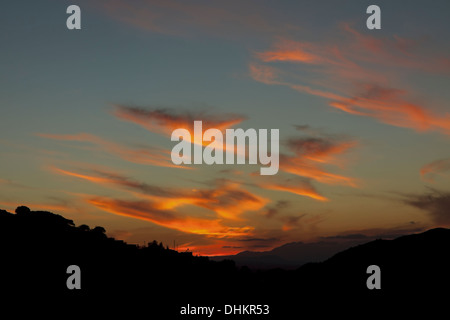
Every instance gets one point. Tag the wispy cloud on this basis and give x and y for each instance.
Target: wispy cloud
(147, 210)
(292, 222)
(226, 198)
(165, 120)
(354, 76)
(319, 149)
(434, 202)
(276, 208)
(395, 51)
(179, 18)
(149, 155)
(310, 154)
(438, 167)
(13, 184)
(300, 187)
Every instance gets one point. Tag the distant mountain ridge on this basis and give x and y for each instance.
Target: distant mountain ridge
(294, 254)
(414, 265)
(290, 255)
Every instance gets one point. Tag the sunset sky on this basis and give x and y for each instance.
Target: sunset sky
(364, 117)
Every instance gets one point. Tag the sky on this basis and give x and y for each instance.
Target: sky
(363, 118)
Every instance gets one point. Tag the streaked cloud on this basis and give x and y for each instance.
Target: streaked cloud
(226, 198)
(180, 18)
(291, 222)
(319, 149)
(395, 51)
(302, 188)
(13, 184)
(147, 210)
(310, 154)
(276, 208)
(429, 171)
(149, 155)
(165, 120)
(436, 203)
(354, 75)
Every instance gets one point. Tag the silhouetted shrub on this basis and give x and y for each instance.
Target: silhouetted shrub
(84, 227)
(100, 230)
(23, 210)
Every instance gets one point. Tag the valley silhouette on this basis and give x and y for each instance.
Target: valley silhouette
(36, 248)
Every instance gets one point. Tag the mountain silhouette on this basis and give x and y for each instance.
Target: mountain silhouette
(410, 264)
(291, 255)
(37, 247)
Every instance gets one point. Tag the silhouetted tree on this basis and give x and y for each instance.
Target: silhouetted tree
(23, 210)
(84, 227)
(100, 230)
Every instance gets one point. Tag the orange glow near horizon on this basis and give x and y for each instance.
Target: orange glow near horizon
(145, 211)
(227, 200)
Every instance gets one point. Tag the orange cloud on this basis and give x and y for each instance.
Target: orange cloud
(311, 153)
(395, 51)
(437, 167)
(388, 106)
(227, 199)
(264, 74)
(306, 53)
(372, 101)
(355, 74)
(302, 168)
(165, 120)
(302, 190)
(217, 248)
(290, 51)
(150, 155)
(230, 200)
(146, 210)
(83, 176)
(271, 76)
(319, 149)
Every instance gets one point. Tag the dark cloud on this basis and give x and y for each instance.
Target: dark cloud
(397, 233)
(355, 236)
(277, 208)
(258, 246)
(302, 127)
(366, 235)
(165, 120)
(144, 188)
(309, 145)
(310, 153)
(317, 147)
(258, 239)
(291, 222)
(435, 203)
